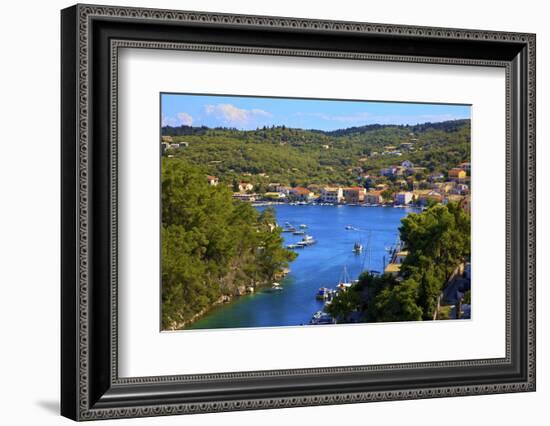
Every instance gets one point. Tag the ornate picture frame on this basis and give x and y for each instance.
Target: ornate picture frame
(91, 37)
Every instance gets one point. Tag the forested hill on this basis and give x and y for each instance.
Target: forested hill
(302, 157)
(446, 126)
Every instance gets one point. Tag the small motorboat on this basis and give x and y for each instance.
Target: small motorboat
(307, 240)
(276, 287)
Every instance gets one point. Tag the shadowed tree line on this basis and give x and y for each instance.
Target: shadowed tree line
(212, 246)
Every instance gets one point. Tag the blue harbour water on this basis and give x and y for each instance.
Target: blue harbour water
(319, 265)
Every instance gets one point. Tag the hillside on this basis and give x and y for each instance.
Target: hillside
(302, 157)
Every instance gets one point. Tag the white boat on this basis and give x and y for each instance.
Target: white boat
(357, 248)
(303, 226)
(321, 317)
(276, 287)
(307, 240)
(345, 281)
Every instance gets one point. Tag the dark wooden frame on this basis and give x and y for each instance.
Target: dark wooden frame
(90, 386)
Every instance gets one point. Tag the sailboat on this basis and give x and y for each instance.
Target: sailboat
(345, 281)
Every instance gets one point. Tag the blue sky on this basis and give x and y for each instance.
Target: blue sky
(248, 113)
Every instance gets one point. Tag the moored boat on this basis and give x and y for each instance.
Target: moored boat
(276, 287)
(307, 240)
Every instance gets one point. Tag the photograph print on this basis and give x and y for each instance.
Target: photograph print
(283, 212)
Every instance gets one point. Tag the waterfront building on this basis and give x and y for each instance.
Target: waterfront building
(354, 194)
(332, 195)
(301, 194)
(284, 189)
(403, 198)
(245, 197)
(373, 197)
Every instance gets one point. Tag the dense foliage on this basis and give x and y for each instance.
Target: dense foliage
(438, 240)
(211, 245)
(301, 157)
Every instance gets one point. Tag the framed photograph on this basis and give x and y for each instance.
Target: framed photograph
(263, 212)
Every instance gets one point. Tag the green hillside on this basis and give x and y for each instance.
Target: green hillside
(302, 157)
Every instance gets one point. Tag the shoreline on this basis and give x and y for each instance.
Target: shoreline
(225, 299)
(303, 204)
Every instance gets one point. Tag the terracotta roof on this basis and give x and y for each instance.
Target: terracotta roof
(300, 190)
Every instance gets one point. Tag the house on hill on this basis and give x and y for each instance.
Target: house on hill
(457, 173)
(212, 180)
(245, 186)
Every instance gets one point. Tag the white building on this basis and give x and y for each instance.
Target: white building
(332, 195)
(245, 186)
(403, 198)
(388, 171)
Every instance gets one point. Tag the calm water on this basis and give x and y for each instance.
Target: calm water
(320, 265)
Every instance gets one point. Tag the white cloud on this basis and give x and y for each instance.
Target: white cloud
(230, 115)
(185, 118)
(181, 119)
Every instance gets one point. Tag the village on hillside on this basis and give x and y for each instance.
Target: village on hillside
(394, 186)
(401, 184)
